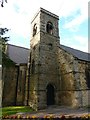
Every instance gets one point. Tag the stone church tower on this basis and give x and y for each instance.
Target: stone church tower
(44, 72)
(57, 74)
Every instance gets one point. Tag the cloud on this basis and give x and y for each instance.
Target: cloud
(16, 21)
(82, 40)
(17, 15)
(21, 12)
(82, 43)
(79, 19)
(77, 42)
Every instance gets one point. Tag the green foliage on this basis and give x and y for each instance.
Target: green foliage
(15, 109)
(3, 31)
(2, 2)
(2, 44)
(3, 39)
(4, 60)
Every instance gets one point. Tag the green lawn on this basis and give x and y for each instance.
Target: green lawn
(0, 112)
(14, 109)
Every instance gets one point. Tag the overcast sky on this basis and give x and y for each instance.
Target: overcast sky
(73, 20)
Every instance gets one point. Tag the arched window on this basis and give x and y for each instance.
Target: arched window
(34, 29)
(49, 28)
(33, 67)
(87, 73)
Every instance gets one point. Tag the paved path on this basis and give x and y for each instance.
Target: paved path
(58, 111)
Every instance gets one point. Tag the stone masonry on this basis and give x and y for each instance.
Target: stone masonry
(55, 74)
(51, 76)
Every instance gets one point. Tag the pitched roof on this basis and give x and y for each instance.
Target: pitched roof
(18, 54)
(77, 53)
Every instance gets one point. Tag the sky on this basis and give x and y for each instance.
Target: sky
(16, 15)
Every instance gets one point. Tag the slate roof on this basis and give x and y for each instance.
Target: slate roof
(18, 54)
(77, 53)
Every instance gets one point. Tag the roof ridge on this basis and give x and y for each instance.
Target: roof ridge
(74, 49)
(18, 46)
(76, 53)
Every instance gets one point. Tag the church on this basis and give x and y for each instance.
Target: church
(47, 74)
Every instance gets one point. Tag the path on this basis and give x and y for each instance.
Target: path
(58, 111)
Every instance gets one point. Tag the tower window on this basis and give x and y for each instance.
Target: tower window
(49, 28)
(34, 30)
(87, 73)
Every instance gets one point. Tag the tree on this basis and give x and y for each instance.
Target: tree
(2, 2)
(4, 59)
(3, 39)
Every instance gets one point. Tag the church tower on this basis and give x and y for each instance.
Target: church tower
(44, 70)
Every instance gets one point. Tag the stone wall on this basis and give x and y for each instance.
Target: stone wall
(21, 84)
(49, 64)
(13, 84)
(46, 69)
(85, 91)
(0, 86)
(66, 69)
(74, 91)
(9, 86)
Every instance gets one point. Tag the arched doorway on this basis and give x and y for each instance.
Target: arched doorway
(50, 95)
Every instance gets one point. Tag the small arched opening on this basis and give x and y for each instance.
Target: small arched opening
(34, 29)
(50, 94)
(49, 27)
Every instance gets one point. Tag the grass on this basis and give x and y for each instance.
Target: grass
(0, 112)
(14, 109)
